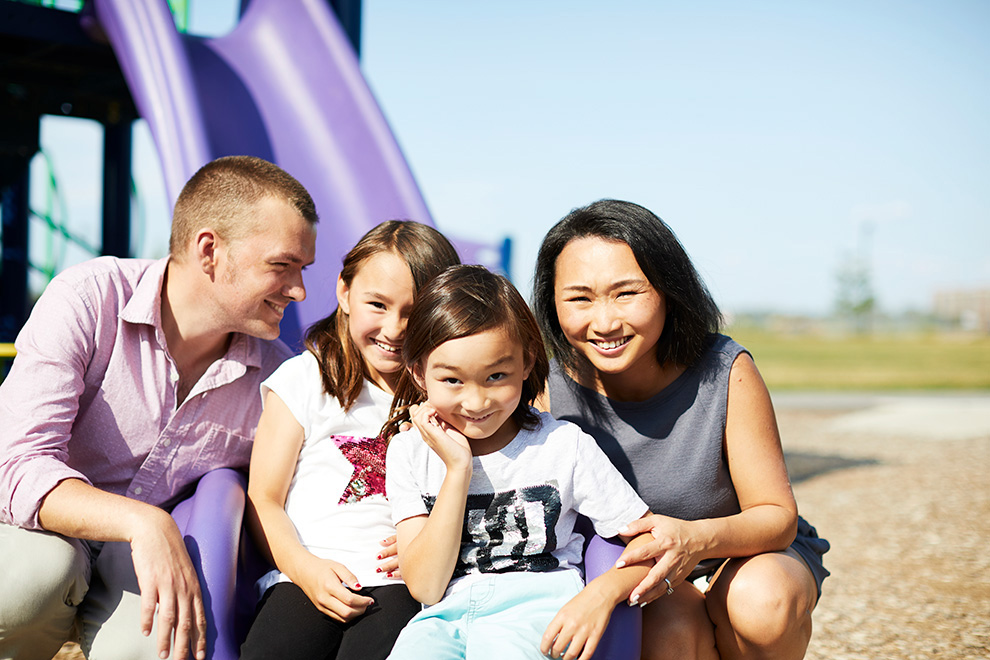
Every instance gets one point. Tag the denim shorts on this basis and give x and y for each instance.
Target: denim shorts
(807, 544)
(495, 616)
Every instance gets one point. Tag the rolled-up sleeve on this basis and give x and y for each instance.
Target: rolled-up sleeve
(39, 400)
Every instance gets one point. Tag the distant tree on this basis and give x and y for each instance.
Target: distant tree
(855, 301)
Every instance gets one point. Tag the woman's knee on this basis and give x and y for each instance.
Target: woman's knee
(765, 601)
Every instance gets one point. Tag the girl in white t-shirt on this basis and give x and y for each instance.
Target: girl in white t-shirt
(485, 490)
(316, 492)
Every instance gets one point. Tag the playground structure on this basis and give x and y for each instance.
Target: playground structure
(284, 85)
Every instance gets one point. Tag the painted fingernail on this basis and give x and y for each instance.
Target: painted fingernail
(620, 564)
(378, 570)
(357, 586)
(624, 529)
(379, 556)
(634, 599)
(642, 604)
(389, 574)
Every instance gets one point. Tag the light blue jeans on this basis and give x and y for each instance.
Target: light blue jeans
(498, 616)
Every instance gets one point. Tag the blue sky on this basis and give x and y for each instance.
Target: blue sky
(775, 137)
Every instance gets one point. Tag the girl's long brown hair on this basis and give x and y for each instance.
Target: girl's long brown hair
(463, 301)
(424, 249)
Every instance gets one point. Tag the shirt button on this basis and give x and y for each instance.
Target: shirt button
(174, 376)
(138, 490)
(166, 442)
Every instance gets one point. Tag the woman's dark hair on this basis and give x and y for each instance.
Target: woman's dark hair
(425, 250)
(692, 314)
(464, 301)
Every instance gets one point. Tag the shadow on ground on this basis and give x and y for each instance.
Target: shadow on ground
(802, 466)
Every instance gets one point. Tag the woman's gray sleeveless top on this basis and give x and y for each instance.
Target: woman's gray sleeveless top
(668, 447)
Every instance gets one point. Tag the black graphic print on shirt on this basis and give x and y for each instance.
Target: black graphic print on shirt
(367, 455)
(509, 531)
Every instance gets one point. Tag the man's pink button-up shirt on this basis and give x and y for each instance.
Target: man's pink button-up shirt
(92, 395)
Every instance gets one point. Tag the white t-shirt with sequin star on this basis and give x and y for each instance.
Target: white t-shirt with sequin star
(336, 499)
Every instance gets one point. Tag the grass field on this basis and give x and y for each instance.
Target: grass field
(895, 362)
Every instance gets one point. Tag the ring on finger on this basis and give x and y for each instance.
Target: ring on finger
(670, 587)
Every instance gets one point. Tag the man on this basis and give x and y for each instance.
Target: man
(133, 378)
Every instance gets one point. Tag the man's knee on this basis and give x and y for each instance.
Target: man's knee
(45, 578)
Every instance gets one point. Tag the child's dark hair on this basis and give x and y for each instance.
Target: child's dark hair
(464, 301)
(424, 249)
(692, 315)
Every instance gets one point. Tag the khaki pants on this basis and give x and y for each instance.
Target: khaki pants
(52, 581)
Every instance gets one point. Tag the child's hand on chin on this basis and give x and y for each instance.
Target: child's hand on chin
(448, 443)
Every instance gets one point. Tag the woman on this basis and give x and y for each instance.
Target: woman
(684, 414)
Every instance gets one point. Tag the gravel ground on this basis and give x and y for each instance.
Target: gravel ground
(899, 485)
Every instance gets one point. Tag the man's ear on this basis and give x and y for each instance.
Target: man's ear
(342, 290)
(206, 250)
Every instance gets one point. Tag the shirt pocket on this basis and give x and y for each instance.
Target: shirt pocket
(221, 447)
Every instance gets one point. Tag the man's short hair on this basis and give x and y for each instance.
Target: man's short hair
(223, 192)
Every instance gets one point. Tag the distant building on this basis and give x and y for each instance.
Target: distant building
(965, 309)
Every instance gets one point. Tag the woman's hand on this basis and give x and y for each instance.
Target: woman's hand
(448, 443)
(331, 588)
(389, 557)
(673, 547)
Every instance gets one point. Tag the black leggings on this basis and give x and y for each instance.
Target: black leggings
(288, 625)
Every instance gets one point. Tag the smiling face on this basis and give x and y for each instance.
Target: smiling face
(262, 272)
(608, 310)
(475, 383)
(377, 303)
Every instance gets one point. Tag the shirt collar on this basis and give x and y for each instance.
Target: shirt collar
(145, 306)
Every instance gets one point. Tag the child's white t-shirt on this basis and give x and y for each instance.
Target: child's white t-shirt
(523, 500)
(336, 498)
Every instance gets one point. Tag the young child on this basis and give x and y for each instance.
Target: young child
(485, 490)
(316, 493)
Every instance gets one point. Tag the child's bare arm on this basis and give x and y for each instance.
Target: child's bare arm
(328, 584)
(429, 545)
(579, 625)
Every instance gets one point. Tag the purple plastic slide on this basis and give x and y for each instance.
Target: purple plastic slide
(284, 85)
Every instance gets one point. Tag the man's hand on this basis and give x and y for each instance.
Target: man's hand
(168, 580)
(165, 574)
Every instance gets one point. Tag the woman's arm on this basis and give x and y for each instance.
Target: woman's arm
(429, 545)
(579, 625)
(277, 444)
(768, 518)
